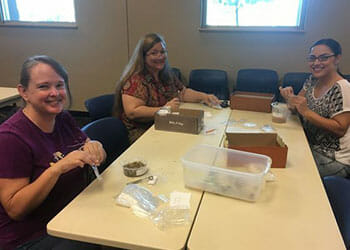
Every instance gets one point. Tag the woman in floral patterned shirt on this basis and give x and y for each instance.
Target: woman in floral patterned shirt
(147, 84)
(324, 104)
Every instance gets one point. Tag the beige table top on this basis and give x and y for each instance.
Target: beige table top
(292, 213)
(94, 217)
(8, 96)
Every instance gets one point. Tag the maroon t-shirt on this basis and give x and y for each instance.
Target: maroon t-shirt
(26, 151)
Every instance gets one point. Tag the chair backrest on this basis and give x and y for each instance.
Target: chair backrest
(347, 77)
(295, 80)
(177, 72)
(210, 81)
(257, 80)
(337, 189)
(113, 135)
(100, 106)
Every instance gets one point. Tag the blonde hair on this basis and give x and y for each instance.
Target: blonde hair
(136, 65)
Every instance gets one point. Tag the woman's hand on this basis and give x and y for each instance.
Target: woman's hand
(174, 104)
(286, 92)
(95, 150)
(300, 103)
(210, 100)
(76, 158)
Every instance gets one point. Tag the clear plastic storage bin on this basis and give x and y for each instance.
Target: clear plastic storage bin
(225, 171)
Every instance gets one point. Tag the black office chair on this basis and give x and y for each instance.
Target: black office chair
(113, 135)
(257, 80)
(295, 80)
(347, 77)
(100, 106)
(210, 81)
(338, 191)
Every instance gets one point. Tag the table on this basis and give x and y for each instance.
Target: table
(292, 213)
(93, 216)
(8, 96)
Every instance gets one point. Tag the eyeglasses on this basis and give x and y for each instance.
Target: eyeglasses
(156, 53)
(321, 58)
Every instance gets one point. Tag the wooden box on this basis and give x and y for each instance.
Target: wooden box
(269, 144)
(251, 101)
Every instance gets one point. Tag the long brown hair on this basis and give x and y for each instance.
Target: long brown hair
(136, 65)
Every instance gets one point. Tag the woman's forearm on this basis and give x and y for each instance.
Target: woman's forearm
(32, 195)
(191, 95)
(330, 125)
(143, 113)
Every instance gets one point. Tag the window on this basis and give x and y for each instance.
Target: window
(280, 15)
(37, 12)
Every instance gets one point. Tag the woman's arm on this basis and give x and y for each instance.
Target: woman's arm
(136, 109)
(337, 125)
(191, 95)
(19, 197)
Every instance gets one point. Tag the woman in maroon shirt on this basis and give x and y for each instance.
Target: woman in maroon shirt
(42, 154)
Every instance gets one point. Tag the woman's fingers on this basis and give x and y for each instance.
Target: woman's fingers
(96, 151)
(213, 100)
(174, 103)
(286, 92)
(74, 159)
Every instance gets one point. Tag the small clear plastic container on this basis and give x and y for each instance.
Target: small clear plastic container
(134, 167)
(224, 171)
(280, 112)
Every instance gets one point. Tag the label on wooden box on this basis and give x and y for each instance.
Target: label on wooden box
(185, 121)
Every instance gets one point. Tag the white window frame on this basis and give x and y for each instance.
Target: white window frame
(37, 24)
(208, 28)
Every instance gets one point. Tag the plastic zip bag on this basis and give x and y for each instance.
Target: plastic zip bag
(134, 194)
(144, 204)
(170, 216)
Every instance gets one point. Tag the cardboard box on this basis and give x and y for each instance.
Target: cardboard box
(251, 101)
(269, 144)
(185, 121)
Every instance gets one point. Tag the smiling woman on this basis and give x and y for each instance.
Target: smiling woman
(42, 154)
(324, 103)
(147, 84)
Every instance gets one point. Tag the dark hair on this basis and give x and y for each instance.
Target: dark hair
(330, 43)
(57, 67)
(333, 45)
